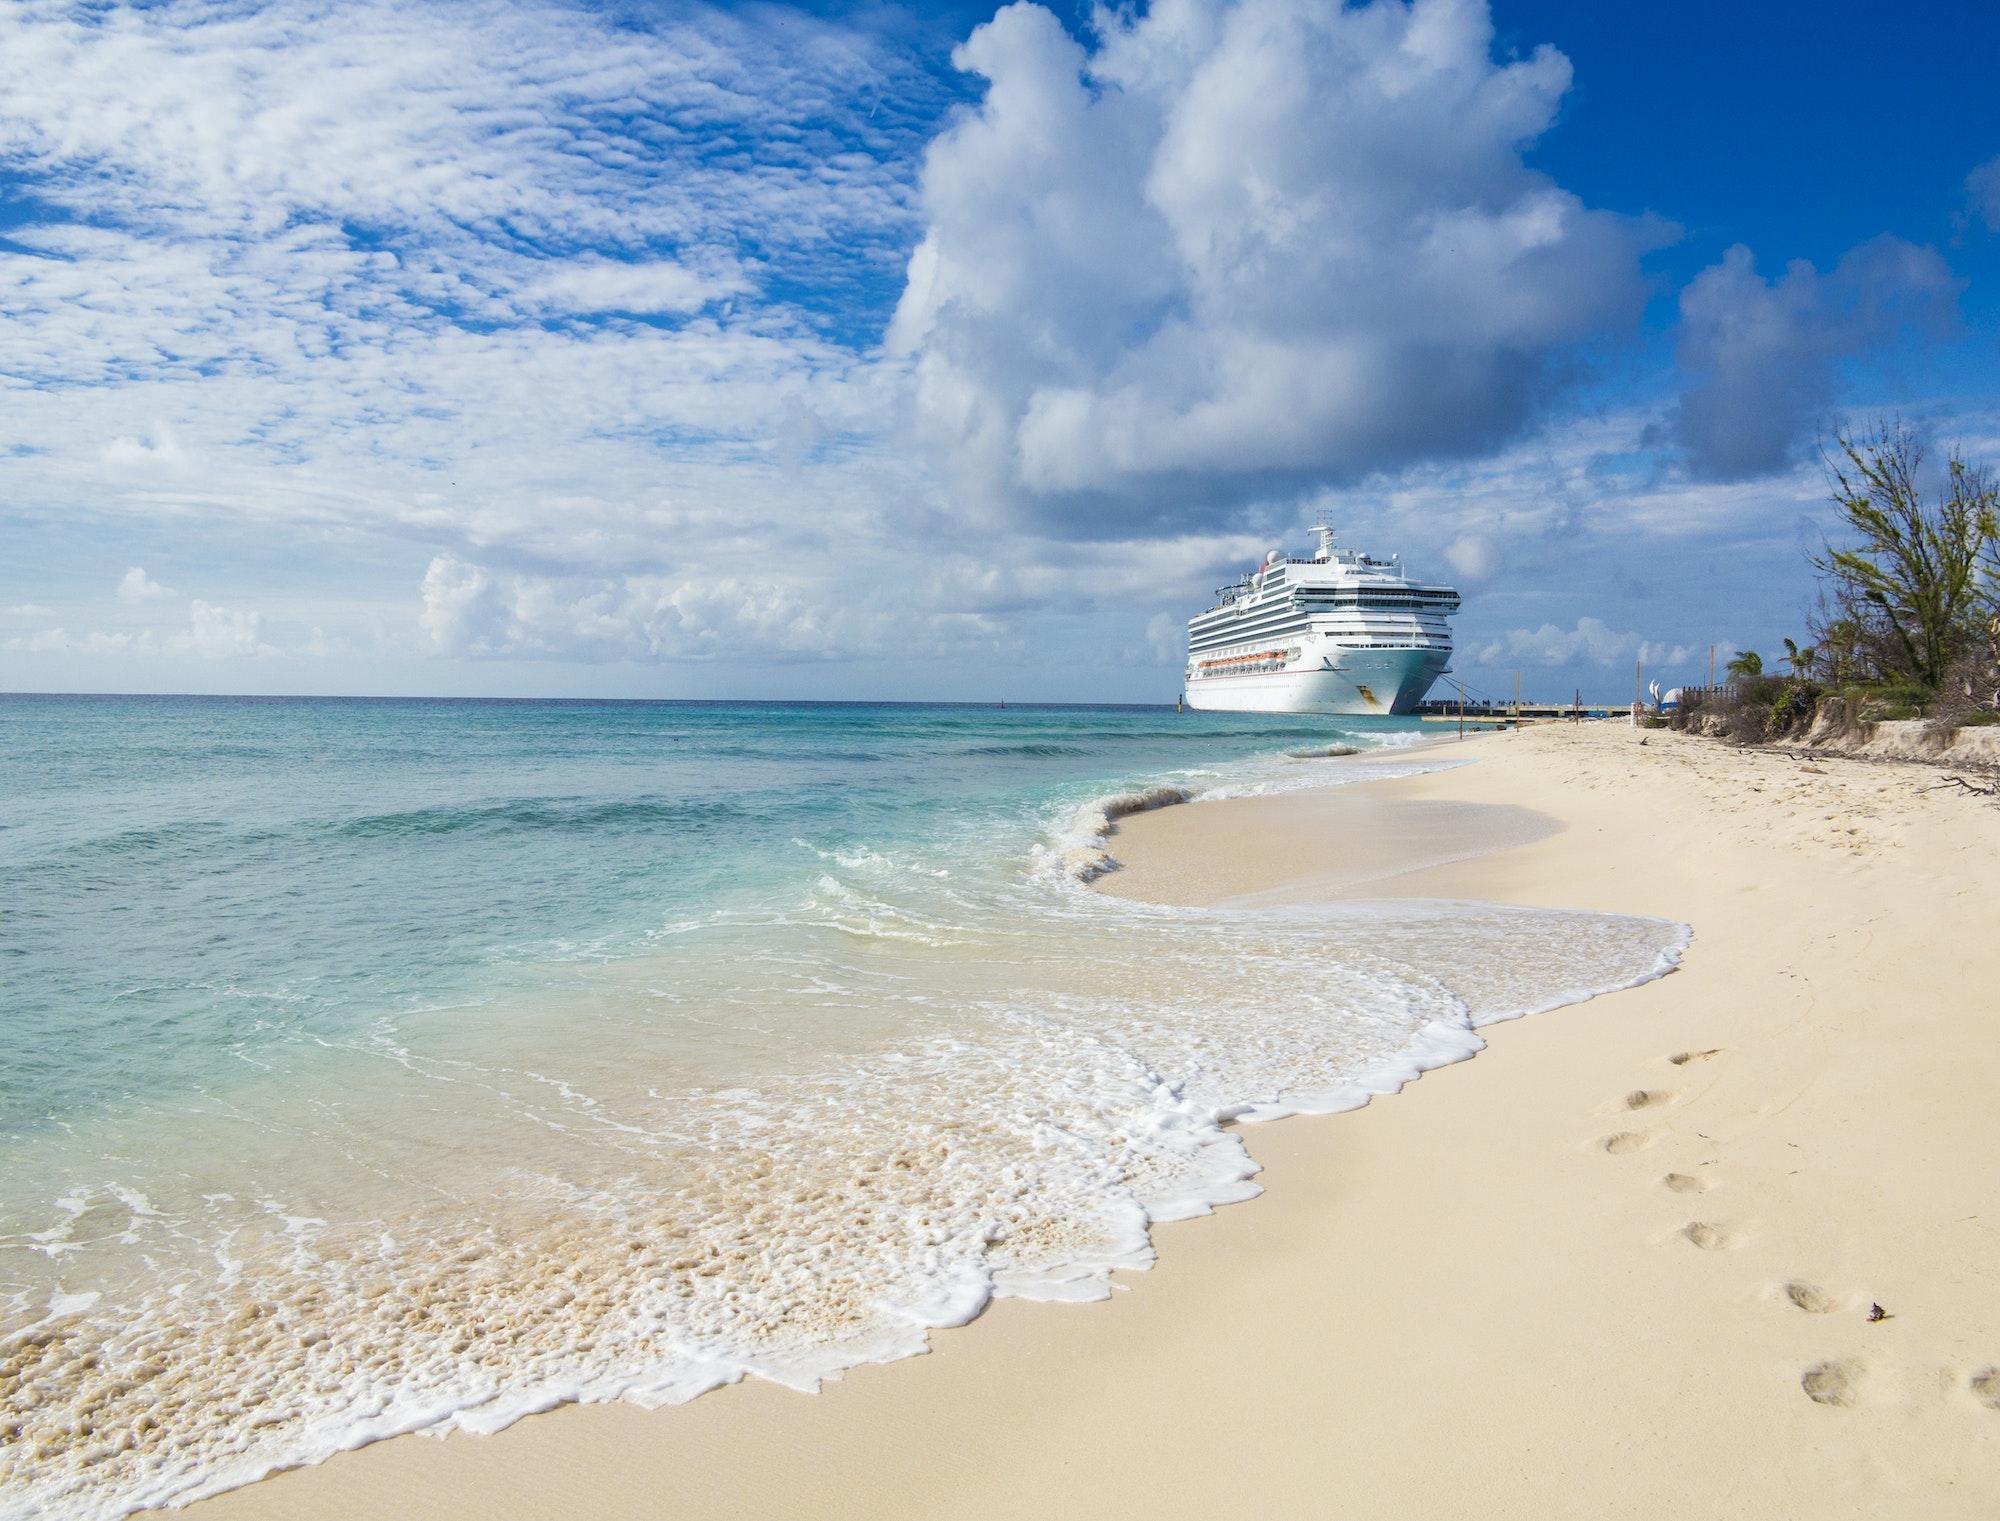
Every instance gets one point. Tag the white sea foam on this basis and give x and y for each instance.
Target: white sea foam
(947, 1092)
(1081, 850)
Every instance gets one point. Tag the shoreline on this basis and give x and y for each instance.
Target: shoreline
(1495, 1252)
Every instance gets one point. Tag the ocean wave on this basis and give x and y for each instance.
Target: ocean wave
(649, 1244)
(573, 815)
(1084, 854)
(1028, 748)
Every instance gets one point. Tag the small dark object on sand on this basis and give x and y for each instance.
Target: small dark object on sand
(1876, 1312)
(1959, 781)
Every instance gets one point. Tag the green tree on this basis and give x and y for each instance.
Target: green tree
(1910, 575)
(1747, 665)
(1800, 658)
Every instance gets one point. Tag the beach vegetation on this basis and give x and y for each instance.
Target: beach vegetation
(1906, 624)
(1909, 590)
(1792, 708)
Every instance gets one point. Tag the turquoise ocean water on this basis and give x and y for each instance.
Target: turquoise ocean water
(373, 1066)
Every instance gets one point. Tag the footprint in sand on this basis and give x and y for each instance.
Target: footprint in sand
(1626, 1140)
(1682, 1058)
(1710, 1238)
(1986, 1388)
(1833, 1383)
(1686, 1183)
(1646, 1098)
(1809, 1297)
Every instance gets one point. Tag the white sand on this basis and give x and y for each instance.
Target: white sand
(1571, 1278)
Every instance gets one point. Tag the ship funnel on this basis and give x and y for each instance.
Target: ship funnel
(1325, 551)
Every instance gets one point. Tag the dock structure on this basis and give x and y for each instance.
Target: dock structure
(1448, 709)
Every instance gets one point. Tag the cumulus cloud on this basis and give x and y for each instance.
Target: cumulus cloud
(1243, 242)
(1471, 557)
(137, 586)
(472, 611)
(218, 633)
(211, 633)
(62, 641)
(1760, 357)
(30, 610)
(877, 601)
(1591, 640)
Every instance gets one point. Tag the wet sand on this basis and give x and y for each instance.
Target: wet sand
(1622, 1264)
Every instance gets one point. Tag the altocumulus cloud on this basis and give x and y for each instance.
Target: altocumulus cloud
(1231, 246)
(605, 336)
(492, 280)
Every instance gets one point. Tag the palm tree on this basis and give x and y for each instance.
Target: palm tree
(1800, 658)
(1747, 665)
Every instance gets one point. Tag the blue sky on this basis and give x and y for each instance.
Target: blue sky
(519, 348)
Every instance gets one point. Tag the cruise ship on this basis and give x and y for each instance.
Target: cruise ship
(1339, 633)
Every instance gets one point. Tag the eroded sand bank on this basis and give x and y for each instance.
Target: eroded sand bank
(1622, 1264)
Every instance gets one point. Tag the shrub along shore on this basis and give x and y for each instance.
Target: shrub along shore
(1907, 623)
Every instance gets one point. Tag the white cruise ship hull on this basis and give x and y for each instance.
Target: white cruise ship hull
(1350, 682)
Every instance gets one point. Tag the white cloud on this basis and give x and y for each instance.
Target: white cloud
(1471, 557)
(218, 633)
(212, 633)
(137, 586)
(329, 242)
(878, 601)
(1590, 640)
(582, 311)
(650, 287)
(470, 610)
(1760, 356)
(1246, 242)
(31, 610)
(61, 641)
(159, 450)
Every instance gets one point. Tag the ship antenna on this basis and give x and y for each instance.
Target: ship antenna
(1325, 541)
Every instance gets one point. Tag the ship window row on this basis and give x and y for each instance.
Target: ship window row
(1440, 603)
(1246, 628)
(1398, 628)
(1335, 629)
(1205, 645)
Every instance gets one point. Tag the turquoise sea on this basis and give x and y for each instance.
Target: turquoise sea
(371, 1066)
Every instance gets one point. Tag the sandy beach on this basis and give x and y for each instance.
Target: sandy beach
(1625, 1263)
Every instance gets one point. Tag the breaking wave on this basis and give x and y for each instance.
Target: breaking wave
(852, 1074)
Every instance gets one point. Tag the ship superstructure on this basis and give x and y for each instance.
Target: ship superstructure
(1339, 633)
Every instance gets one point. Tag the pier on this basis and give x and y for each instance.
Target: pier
(1450, 710)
